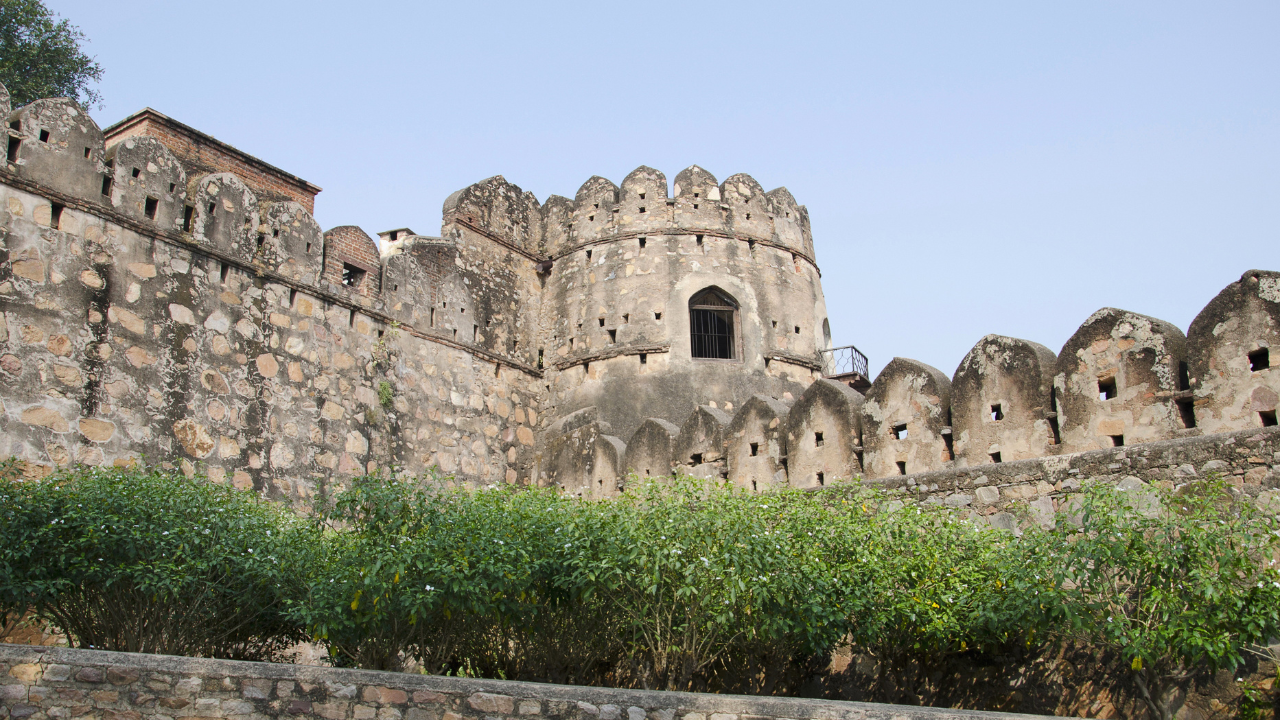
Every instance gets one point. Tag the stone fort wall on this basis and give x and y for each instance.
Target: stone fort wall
(157, 307)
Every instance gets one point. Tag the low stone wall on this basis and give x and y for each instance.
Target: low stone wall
(38, 683)
(1003, 493)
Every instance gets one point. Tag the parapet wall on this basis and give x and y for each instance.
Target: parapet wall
(39, 683)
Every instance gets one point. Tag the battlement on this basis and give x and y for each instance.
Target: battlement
(603, 212)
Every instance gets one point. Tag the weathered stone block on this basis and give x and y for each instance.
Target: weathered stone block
(491, 703)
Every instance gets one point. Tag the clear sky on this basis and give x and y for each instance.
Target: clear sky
(969, 168)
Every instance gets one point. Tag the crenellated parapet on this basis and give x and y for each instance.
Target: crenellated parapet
(1233, 350)
(1119, 381)
(499, 210)
(1001, 400)
(54, 141)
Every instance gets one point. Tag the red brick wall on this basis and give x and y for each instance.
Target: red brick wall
(349, 244)
(199, 155)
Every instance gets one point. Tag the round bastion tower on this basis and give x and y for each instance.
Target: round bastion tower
(654, 304)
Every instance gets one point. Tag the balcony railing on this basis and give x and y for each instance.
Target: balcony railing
(841, 362)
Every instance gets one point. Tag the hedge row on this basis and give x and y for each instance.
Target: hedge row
(676, 585)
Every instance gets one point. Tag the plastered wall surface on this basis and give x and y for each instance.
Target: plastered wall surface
(39, 683)
(155, 306)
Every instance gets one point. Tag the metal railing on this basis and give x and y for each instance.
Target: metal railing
(843, 361)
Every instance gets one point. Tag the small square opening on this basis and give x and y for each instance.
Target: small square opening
(351, 275)
(641, 208)
(613, 336)
(902, 467)
(755, 449)
(188, 212)
(995, 457)
(1268, 418)
(642, 242)
(899, 432)
(1107, 388)
(1259, 359)
(797, 329)
(818, 440)
(644, 359)
(149, 207)
(695, 459)
(641, 196)
(293, 297)
(1117, 440)
(136, 172)
(699, 238)
(44, 136)
(588, 254)
(1055, 435)
(55, 215)
(224, 272)
(14, 144)
(172, 187)
(822, 479)
(87, 153)
(107, 183)
(601, 322)
(997, 413)
(657, 316)
(949, 445)
(626, 318)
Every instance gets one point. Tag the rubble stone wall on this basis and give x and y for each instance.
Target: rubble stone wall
(41, 683)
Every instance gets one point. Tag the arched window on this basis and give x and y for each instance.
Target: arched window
(713, 324)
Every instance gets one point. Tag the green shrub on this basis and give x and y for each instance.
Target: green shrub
(415, 569)
(679, 584)
(1172, 583)
(151, 561)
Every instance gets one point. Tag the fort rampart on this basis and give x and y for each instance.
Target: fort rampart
(156, 305)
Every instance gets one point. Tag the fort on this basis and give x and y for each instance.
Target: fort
(167, 297)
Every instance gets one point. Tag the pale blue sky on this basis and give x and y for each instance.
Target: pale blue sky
(969, 168)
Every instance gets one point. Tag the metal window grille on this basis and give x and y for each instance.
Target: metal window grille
(711, 325)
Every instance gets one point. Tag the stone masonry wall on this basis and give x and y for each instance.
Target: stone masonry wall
(45, 683)
(119, 345)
